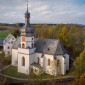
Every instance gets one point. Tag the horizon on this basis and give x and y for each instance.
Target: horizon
(46, 11)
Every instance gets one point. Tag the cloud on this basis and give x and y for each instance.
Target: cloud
(42, 11)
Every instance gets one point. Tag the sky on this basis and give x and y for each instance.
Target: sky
(43, 11)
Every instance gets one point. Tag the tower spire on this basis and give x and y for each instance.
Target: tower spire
(27, 29)
(27, 6)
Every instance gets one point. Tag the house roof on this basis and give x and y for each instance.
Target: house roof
(46, 46)
(17, 43)
(36, 65)
(1, 41)
(49, 46)
(7, 39)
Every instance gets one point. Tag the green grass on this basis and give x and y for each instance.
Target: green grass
(12, 71)
(3, 34)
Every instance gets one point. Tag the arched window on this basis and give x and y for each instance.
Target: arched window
(23, 61)
(32, 45)
(32, 38)
(49, 62)
(38, 60)
(8, 47)
(11, 42)
(23, 45)
(12, 38)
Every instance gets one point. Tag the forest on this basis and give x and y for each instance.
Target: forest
(72, 37)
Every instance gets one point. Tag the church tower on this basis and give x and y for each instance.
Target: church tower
(26, 49)
(27, 33)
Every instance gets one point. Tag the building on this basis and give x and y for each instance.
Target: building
(30, 54)
(8, 43)
(1, 43)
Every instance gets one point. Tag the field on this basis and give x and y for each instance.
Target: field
(3, 34)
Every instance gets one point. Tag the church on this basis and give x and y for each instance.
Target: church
(36, 55)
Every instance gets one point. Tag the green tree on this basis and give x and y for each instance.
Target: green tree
(16, 32)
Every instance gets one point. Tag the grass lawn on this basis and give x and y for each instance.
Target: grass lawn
(3, 34)
(12, 71)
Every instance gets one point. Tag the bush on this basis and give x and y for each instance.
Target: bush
(7, 60)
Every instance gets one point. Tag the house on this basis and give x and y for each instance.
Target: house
(30, 54)
(8, 43)
(1, 43)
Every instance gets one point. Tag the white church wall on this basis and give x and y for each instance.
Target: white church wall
(28, 41)
(21, 68)
(44, 62)
(36, 56)
(14, 57)
(67, 61)
(23, 51)
(31, 60)
(62, 62)
(26, 51)
(51, 57)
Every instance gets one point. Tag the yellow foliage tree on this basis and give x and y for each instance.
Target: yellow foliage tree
(79, 81)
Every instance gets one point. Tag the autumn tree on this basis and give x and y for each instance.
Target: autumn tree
(63, 36)
(79, 64)
(79, 81)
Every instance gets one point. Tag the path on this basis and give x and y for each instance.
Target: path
(64, 77)
(5, 68)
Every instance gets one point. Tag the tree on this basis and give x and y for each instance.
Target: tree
(63, 36)
(16, 33)
(79, 81)
(79, 64)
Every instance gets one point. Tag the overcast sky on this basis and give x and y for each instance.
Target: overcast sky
(43, 11)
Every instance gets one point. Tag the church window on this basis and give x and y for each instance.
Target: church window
(8, 47)
(49, 62)
(11, 42)
(23, 61)
(38, 60)
(23, 38)
(12, 38)
(8, 52)
(32, 38)
(23, 45)
(32, 45)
